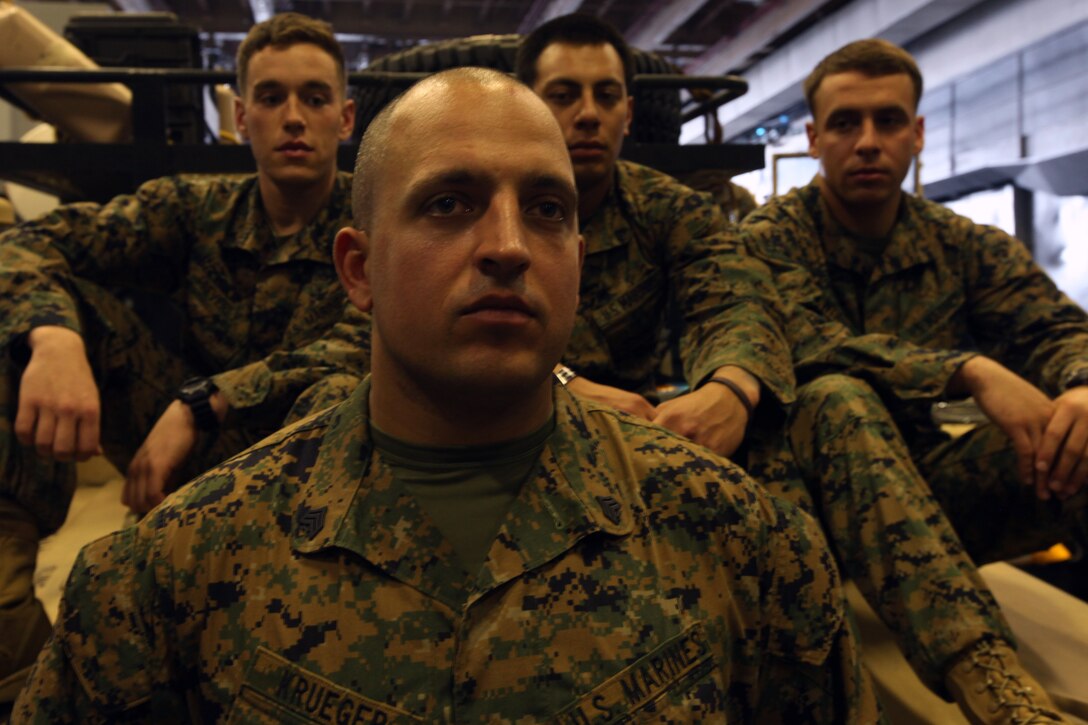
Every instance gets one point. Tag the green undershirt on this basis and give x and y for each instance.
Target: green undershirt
(466, 490)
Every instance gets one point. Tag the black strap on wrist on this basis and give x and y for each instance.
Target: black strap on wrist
(1076, 381)
(739, 392)
(197, 393)
(204, 415)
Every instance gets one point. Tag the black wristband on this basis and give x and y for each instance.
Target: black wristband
(204, 415)
(1075, 381)
(197, 393)
(739, 392)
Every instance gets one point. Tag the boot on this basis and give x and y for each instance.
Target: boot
(24, 626)
(991, 687)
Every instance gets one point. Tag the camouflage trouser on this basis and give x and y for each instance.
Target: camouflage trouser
(842, 458)
(137, 378)
(975, 478)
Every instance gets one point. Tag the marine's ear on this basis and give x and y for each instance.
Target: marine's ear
(350, 253)
(240, 118)
(810, 131)
(347, 119)
(919, 134)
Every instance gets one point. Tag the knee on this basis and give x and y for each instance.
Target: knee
(840, 412)
(838, 406)
(837, 392)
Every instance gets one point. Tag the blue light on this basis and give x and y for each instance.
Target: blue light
(784, 118)
(761, 132)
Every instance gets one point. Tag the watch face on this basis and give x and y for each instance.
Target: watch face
(196, 388)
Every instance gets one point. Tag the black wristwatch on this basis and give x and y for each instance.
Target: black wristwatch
(1075, 381)
(197, 393)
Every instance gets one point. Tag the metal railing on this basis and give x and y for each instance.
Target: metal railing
(100, 171)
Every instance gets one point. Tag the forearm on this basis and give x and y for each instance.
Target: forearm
(895, 366)
(733, 316)
(751, 344)
(968, 377)
(33, 294)
(263, 392)
(821, 340)
(1019, 315)
(748, 385)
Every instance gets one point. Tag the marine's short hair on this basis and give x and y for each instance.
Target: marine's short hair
(573, 29)
(284, 30)
(374, 146)
(873, 57)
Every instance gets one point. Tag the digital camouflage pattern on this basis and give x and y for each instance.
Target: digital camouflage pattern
(887, 530)
(735, 201)
(264, 316)
(635, 576)
(655, 243)
(944, 288)
(872, 355)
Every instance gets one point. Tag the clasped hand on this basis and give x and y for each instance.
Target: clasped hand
(1050, 436)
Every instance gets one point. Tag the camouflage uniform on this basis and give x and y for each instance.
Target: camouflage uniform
(736, 201)
(635, 576)
(250, 311)
(872, 355)
(652, 243)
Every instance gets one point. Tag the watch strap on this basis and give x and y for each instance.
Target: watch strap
(204, 414)
(197, 393)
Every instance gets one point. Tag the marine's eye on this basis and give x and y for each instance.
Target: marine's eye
(447, 205)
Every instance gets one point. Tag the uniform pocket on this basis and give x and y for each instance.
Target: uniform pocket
(677, 682)
(629, 321)
(278, 691)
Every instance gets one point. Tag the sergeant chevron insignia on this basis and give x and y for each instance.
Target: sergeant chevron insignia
(611, 508)
(309, 522)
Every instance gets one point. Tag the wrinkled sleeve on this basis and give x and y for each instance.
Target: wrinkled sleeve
(731, 312)
(814, 671)
(264, 392)
(1018, 314)
(136, 240)
(822, 342)
(107, 661)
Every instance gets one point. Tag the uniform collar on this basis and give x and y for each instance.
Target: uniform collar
(907, 246)
(605, 228)
(352, 502)
(312, 243)
(569, 497)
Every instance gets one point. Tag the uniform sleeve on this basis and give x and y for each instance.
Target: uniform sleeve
(107, 660)
(1019, 316)
(731, 313)
(824, 344)
(264, 392)
(814, 671)
(136, 240)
